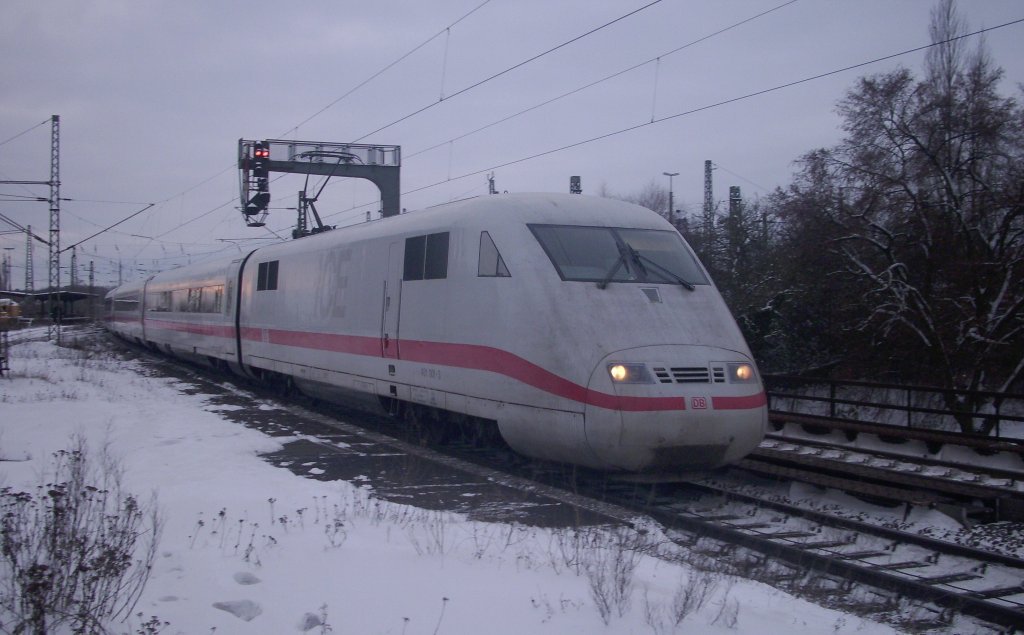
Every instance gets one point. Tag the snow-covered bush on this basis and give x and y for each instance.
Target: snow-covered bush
(77, 551)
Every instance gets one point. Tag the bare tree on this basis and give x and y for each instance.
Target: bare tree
(925, 198)
(652, 196)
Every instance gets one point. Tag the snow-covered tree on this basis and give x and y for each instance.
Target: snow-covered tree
(926, 205)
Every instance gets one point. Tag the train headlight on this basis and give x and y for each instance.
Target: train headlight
(741, 373)
(630, 374)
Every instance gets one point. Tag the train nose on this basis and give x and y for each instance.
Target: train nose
(675, 408)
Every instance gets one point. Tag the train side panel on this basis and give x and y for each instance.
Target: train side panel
(187, 313)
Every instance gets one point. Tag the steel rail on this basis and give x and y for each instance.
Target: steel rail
(974, 604)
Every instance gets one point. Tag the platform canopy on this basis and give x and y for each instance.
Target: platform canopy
(42, 296)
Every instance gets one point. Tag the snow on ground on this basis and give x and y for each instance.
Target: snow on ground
(250, 548)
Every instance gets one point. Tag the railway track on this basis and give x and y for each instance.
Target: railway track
(857, 566)
(969, 495)
(957, 578)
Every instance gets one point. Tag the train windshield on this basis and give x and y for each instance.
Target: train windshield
(615, 254)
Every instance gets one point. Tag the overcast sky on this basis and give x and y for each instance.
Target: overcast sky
(153, 97)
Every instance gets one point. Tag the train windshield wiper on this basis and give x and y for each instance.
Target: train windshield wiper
(627, 252)
(619, 263)
(640, 258)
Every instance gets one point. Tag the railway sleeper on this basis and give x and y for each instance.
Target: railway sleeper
(950, 578)
(861, 555)
(788, 535)
(991, 594)
(825, 544)
(991, 508)
(899, 566)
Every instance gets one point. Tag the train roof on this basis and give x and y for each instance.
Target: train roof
(484, 212)
(570, 209)
(492, 211)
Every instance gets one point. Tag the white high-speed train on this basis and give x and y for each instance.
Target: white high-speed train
(583, 328)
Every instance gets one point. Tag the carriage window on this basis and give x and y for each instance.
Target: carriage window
(194, 300)
(491, 264)
(191, 300)
(212, 299)
(266, 276)
(158, 301)
(426, 257)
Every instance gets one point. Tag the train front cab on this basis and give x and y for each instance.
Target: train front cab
(703, 409)
(680, 390)
(124, 311)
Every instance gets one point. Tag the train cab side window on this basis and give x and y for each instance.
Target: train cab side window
(491, 264)
(266, 276)
(126, 303)
(426, 257)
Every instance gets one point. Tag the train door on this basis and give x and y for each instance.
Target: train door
(392, 302)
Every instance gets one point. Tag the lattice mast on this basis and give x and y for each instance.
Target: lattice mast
(5, 274)
(708, 224)
(709, 200)
(30, 273)
(54, 281)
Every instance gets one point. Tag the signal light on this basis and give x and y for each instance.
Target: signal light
(259, 182)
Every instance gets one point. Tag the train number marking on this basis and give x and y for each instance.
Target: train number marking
(699, 403)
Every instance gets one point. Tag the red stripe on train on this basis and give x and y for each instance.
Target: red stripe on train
(740, 403)
(469, 356)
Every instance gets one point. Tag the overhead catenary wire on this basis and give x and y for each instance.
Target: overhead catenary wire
(656, 60)
(455, 94)
(23, 198)
(366, 81)
(23, 230)
(25, 132)
(128, 218)
(601, 80)
(510, 69)
(706, 107)
(723, 168)
(653, 122)
(303, 122)
(718, 104)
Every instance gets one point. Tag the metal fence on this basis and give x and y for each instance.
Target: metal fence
(1000, 415)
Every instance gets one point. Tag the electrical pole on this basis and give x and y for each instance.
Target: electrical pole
(92, 289)
(7, 269)
(709, 214)
(53, 297)
(30, 274)
(671, 209)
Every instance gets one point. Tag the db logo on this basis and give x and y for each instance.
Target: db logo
(699, 403)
